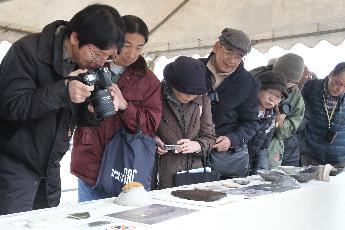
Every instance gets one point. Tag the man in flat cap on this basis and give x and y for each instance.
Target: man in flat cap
(234, 96)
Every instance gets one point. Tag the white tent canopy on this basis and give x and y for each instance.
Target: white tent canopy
(192, 26)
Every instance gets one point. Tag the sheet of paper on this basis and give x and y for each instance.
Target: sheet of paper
(152, 214)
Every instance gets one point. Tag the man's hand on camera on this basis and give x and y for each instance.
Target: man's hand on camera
(121, 100)
(77, 72)
(115, 100)
(78, 92)
(223, 143)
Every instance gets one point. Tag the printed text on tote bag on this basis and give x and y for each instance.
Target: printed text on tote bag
(125, 177)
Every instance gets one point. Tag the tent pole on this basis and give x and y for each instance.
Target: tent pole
(169, 16)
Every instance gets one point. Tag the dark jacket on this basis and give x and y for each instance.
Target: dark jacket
(142, 92)
(197, 126)
(35, 115)
(236, 113)
(317, 125)
(257, 146)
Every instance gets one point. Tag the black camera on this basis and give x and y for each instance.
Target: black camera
(100, 97)
(284, 107)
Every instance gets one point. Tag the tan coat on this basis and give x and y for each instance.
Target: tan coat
(198, 127)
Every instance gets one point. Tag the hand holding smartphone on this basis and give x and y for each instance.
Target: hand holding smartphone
(170, 147)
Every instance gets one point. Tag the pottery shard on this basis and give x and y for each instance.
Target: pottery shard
(198, 195)
(323, 172)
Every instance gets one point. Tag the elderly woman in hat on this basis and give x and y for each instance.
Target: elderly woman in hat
(273, 90)
(186, 121)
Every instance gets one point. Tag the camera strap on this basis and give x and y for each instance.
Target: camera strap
(72, 121)
(138, 122)
(71, 78)
(331, 115)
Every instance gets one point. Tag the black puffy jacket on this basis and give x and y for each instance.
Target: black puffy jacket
(35, 116)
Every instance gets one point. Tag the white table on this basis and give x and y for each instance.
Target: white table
(317, 205)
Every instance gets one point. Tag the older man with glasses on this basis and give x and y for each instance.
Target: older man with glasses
(234, 96)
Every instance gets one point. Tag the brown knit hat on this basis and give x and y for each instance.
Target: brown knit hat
(290, 65)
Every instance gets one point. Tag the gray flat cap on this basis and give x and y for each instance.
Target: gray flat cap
(236, 39)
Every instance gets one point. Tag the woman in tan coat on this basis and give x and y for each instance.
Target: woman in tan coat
(186, 120)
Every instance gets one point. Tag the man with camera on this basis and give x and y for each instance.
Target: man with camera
(234, 97)
(40, 105)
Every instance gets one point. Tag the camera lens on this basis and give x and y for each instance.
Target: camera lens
(102, 103)
(100, 98)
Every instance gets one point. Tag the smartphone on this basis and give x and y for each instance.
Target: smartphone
(170, 147)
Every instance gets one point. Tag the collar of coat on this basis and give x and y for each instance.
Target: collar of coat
(138, 68)
(235, 75)
(45, 52)
(267, 113)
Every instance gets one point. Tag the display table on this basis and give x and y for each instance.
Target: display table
(316, 205)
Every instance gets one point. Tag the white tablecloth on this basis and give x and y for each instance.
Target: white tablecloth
(316, 205)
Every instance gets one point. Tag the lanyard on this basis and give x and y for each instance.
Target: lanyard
(329, 116)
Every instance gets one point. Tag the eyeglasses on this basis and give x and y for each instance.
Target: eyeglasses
(231, 54)
(276, 96)
(99, 57)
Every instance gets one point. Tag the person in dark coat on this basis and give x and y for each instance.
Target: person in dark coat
(39, 105)
(234, 97)
(322, 141)
(186, 120)
(273, 90)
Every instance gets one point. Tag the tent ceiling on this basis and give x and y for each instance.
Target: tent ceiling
(192, 26)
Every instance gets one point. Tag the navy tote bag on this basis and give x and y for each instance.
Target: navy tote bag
(128, 157)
